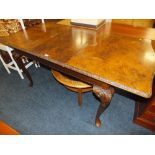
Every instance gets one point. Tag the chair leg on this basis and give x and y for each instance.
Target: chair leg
(4, 64)
(18, 69)
(20, 74)
(25, 71)
(80, 98)
(36, 64)
(14, 62)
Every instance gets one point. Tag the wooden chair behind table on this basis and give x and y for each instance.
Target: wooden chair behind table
(7, 56)
(72, 84)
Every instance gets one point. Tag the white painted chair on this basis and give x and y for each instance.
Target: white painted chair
(13, 65)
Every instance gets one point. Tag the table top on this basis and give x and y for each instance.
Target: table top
(116, 54)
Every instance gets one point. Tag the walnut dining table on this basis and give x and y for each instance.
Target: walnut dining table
(112, 56)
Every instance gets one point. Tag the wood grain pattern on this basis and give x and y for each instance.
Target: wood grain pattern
(135, 22)
(119, 55)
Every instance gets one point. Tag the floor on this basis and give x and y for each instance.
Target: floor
(49, 108)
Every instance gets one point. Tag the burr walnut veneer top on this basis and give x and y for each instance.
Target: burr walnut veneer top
(116, 54)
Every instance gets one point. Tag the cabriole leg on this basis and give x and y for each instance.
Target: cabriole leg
(105, 96)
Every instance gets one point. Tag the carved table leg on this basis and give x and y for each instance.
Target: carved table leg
(22, 66)
(105, 96)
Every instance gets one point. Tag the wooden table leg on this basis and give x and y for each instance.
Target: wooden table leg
(20, 63)
(105, 96)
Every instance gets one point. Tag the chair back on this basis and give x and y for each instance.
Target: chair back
(23, 24)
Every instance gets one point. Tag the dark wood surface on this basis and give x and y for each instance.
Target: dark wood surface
(113, 56)
(121, 56)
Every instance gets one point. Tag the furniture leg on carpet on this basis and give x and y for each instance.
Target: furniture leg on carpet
(105, 96)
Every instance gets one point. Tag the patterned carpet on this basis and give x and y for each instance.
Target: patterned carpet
(49, 108)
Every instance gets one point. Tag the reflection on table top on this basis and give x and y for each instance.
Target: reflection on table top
(119, 55)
